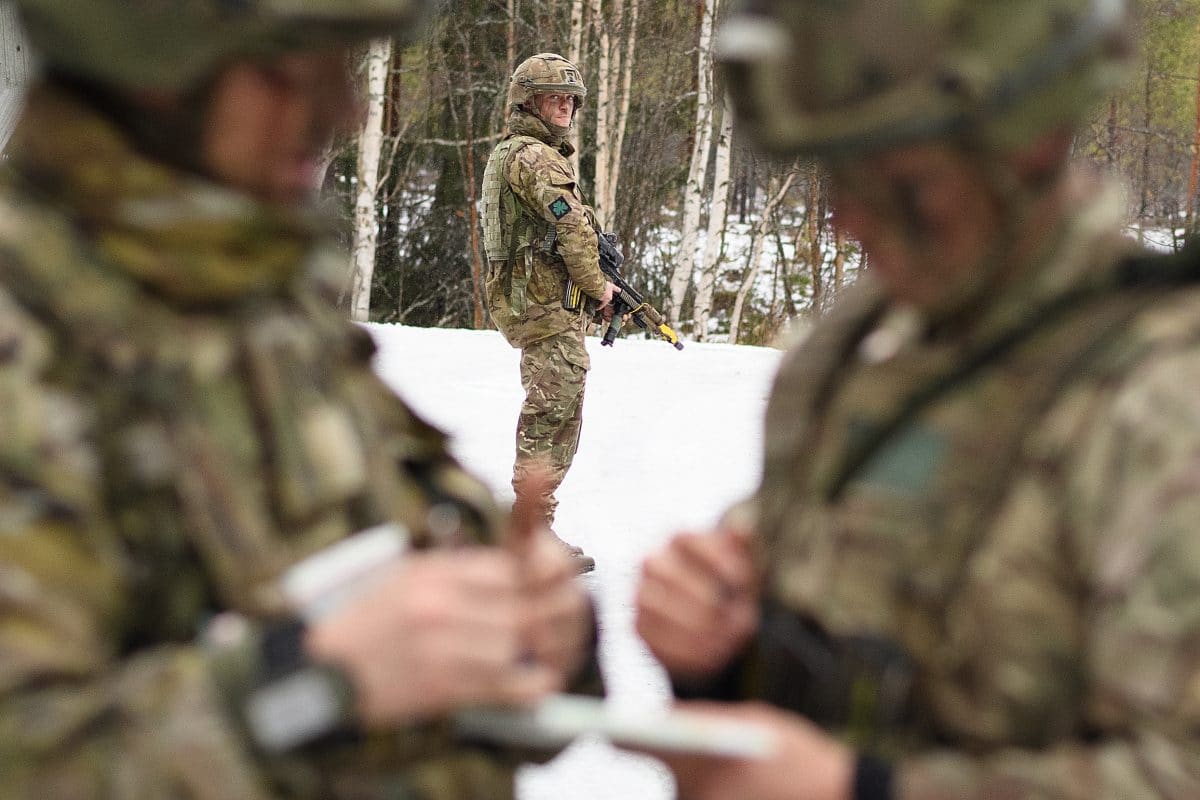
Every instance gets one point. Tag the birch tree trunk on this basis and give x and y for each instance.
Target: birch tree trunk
(693, 190)
(839, 261)
(370, 145)
(702, 309)
(574, 55)
(614, 171)
(1194, 171)
(816, 223)
(603, 84)
(753, 265)
(467, 156)
(510, 36)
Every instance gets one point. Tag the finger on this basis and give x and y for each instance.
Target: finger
(662, 607)
(528, 518)
(487, 680)
(526, 686)
(559, 603)
(563, 654)
(678, 653)
(720, 556)
(482, 566)
(677, 575)
(472, 660)
(519, 686)
(548, 566)
(567, 625)
(480, 572)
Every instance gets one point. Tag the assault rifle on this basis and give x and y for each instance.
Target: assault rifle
(628, 303)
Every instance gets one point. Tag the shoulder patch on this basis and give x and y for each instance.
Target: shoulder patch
(560, 208)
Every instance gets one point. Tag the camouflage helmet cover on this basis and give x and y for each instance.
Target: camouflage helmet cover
(818, 77)
(545, 72)
(174, 44)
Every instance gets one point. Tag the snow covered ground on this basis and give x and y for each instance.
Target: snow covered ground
(669, 439)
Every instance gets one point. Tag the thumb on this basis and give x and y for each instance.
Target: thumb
(529, 508)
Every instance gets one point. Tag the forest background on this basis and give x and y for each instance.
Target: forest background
(733, 247)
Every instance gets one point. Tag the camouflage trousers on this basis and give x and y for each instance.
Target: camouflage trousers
(553, 373)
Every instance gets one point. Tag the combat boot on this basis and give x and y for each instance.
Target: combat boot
(543, 508)
(583, 562)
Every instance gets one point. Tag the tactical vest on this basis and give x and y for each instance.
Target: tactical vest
(249, 435)
(509, 230)
(870, 542)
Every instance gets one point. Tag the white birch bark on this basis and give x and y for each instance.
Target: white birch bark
(370, 144)
(710, 266)
(693, 190)
(575, 56)
(626, 71)
(753, 265)
(603, 86)
(578, 24)
(510, 36)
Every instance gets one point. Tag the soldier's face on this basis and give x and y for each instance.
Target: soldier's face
(925, 215)
(555, 108)
(268, 124)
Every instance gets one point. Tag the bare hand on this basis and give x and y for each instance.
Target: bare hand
(606, 299)
(440, 633)
(806, 765)
(556, 618)
(697, 604)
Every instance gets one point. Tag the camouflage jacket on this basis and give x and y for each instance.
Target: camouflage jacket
(529, 187)
(183, 414)
(981, 547)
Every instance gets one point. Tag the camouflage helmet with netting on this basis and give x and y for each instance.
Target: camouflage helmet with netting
(175, 44)
(545, 72)
(826, 78)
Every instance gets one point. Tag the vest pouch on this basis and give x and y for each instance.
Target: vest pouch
(518, 296)
(316, 448)
(547, 280)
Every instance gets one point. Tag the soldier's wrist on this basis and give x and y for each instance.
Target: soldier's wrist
(282, 698)
(730, 683)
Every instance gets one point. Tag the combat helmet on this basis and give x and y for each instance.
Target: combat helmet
(545, 72)
(818, 77)
(175, 44)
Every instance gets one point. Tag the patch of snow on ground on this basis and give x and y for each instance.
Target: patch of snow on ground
(669, 440)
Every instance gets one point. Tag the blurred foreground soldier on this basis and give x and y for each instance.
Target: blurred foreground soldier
(978, 529)
(184, 417)
(538, 232)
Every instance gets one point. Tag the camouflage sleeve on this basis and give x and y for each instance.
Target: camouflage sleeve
(84, 713)
(86, 710)
(543, 182)
(1132, 495)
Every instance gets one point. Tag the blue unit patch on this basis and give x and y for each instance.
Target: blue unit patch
(560, 208)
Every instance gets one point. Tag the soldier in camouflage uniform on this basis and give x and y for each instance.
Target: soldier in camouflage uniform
(538, 232)
(978, 529)
(184, 415)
